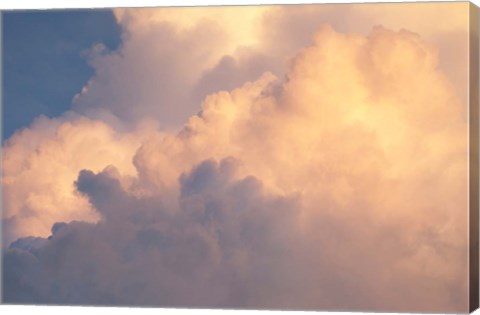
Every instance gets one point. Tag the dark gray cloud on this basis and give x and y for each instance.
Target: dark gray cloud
(143, 254)
(227, 243)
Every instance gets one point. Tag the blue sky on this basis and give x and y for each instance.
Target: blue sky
(43, 62)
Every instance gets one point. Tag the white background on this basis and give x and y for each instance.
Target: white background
(47, 4)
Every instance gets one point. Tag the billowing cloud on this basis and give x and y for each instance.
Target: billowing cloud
(166, 52)
(342, 179)
(172, 58)
(40, 164)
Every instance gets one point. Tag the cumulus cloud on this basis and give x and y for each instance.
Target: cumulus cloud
(174, 57)
(342, 180)
(167, 257)
(165, 54)
(40, 164)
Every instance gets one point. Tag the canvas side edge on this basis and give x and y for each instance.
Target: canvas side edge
(473, 227)
(1, 154)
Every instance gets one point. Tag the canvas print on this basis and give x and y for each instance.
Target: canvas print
(284, 157)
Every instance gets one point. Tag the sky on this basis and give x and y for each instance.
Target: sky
(43, 61)
(309, 157)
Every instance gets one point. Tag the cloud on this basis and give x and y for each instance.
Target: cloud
(172, 58)
(343, 181)
(298, 24)
(165, 54)
(41, 162)
(172, 256)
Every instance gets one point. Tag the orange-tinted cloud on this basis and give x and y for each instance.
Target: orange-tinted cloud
(40, 164)
(174, 57)
(343, 181)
